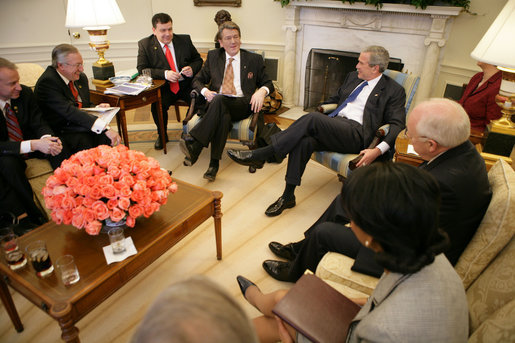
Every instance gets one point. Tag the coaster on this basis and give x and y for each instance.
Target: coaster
(130, 250)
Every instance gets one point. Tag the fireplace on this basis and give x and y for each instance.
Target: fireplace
(325, 72)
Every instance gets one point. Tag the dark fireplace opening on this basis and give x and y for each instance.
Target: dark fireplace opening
(325, 72)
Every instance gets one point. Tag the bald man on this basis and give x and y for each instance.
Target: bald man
(439, 130)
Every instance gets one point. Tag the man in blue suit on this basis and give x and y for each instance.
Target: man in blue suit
(170, 57)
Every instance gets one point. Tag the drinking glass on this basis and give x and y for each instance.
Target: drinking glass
(117, 240)
(40, 259)
(14, 257)
(68, 269)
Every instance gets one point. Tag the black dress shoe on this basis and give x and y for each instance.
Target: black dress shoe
(158, 145)
(244, 157)
(191, 149)
(284, 251)
(211, 174)
(244, 283)
(279, 206)
(279, 270)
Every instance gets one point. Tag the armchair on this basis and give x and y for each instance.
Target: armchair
(340, 162)
(244, 131)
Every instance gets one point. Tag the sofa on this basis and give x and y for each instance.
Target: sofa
(486, 266)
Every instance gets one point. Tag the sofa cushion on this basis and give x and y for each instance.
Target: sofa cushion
(498, 328)
(496, 228)
(493, 289)
(337, 267)
(37, 167)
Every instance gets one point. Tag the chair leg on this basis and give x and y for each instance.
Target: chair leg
(177, 113)
(252, 170)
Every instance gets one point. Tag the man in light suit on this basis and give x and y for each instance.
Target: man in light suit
(366, 100)
(184, 63)
(22, 136)
(439, 131)
(62, 90)
(234, 84)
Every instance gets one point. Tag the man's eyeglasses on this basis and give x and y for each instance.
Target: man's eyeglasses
(77, 65)
(409, 137)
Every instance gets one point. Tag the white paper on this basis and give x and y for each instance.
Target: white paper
(130, 250)
(411, 150)
(126, 88)
(105, 113)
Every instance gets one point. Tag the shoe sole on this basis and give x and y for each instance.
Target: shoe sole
(275, 214)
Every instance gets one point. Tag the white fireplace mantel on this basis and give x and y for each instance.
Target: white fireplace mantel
(414, 35)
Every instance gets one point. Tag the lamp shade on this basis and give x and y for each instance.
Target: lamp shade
(93, 13)
(496, 47)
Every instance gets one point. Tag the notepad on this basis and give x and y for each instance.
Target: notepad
(105, 113)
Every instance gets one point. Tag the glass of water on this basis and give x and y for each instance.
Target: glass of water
(68, 270)
(117, 240)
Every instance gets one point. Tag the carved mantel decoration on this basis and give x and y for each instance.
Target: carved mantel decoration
(232, 3)
(416, 36)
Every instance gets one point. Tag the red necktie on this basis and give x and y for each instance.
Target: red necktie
(174, 86)
(13, 127)
(75, 94)
(228, 84)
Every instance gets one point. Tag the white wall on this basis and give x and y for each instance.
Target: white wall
(31, 28)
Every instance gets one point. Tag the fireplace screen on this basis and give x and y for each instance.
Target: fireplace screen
(325, 72)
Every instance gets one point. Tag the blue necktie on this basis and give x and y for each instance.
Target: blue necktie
(350, 98)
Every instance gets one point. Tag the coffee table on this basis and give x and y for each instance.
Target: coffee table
(185, 210)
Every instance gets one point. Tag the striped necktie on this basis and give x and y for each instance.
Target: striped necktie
(13, 127)
(349, 99)
(75, 94)
(174, 86)
(228, 84)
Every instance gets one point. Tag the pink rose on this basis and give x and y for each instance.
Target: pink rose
(67, 217)
(68, 202)
(138, 196)
(125, 191)
(93, 227)
(108, 191)
(96, 192)
(124, 203)
(148, 210)
(173, 187)
(89, 215)
(112, 203)
(106, 180)
(78, 217)
(130, 221)
(136, 210)
(140, 185)
(101, 210)
(117, 214)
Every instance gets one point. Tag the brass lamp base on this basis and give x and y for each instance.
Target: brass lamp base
(103, 71)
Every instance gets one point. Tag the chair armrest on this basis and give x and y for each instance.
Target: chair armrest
(326, 108)
(380, 134)
(190, 113)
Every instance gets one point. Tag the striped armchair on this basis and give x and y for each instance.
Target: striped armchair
(340, 162)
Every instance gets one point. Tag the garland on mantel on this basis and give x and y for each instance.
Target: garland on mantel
(417, 3)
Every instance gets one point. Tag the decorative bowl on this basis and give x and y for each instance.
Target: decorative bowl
(118, 80)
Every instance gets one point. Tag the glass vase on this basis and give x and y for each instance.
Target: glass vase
(108, 225)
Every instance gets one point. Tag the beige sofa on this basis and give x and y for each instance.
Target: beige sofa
(487, 266)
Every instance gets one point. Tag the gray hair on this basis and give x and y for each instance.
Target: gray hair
(229, 25)
(444, 121)
(195, 310)
(60, 52)
(5, 63)
(379, 56)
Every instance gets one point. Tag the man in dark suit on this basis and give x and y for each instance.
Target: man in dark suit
(170, 57)
(366, 100)
(23, 134)
(438, 130)
(234, 83)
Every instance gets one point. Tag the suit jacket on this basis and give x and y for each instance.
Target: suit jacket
(252, 72)
(58, 104)
(479, 102)
(151, 55)
(30, 119)
(465, 194)
(385, 105)
(429, 305)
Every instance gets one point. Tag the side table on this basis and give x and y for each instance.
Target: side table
(401, 151)
(129, 102)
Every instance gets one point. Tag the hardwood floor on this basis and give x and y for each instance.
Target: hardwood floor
(246, 232)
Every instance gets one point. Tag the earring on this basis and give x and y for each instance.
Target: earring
(367, 243)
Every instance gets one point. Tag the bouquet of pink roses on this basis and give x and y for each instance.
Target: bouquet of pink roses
(106, 182)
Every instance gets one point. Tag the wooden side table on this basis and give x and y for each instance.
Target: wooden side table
(401, 151)
(130, 102)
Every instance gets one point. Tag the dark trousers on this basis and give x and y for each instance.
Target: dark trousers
(217, 121)
(315, 132)
(168, 99)
(15, 191)
(329, 233)
(77, 141)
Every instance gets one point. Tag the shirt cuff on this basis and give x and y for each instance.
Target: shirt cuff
(25, 147)
(203, 91)
(98, 126)
(383, 146)
(266, 89)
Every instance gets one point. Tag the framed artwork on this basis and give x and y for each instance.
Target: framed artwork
(233, 3)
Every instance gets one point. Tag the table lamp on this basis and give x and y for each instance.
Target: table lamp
(497, 48)
(95, 16)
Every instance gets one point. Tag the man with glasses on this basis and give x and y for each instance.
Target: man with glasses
(439, 131)
(234, 84)
(61, 91)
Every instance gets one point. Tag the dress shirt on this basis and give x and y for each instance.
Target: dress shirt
(354, 110)
(25, 147)
(172, 50)
(99, 125)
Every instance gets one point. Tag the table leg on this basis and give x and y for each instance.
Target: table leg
(161, 128)
(217, 215)
(122, 126)
(7, 300)
(62, 313)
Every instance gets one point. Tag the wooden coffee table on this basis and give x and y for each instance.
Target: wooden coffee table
(185, 210)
